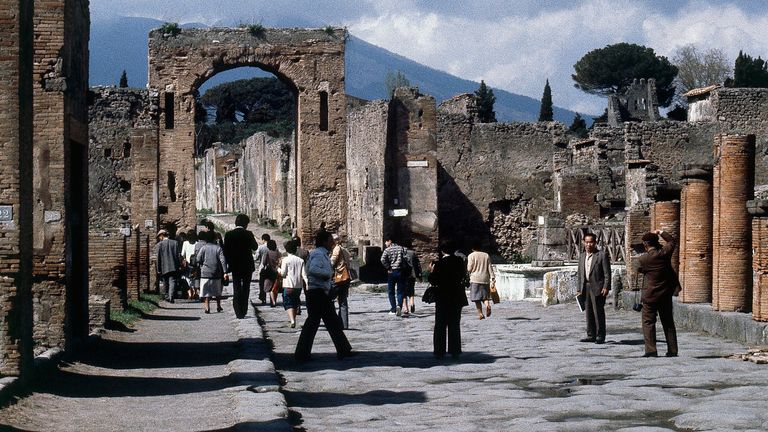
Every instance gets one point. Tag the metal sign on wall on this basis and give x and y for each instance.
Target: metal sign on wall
(6, 213)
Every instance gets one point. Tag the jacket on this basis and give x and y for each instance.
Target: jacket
(239, 245)
(319, 270)
(168, 257)
(599, 277)
(448, 276)
(211, 260)
(393, 257)
(340, 260)
(656, 264)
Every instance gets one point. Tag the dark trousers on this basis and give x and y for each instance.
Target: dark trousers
(342, 296)
(595, 309)
(664, 308)
(395, 278)
(168, 283)
(447, 317)
(320, 306)
(241, 286)
(262, 294)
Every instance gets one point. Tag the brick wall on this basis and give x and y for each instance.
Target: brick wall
(107, 259)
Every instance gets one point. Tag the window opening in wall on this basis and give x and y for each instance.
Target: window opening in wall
(323, 111)
(169, 110)
(126, 149)
(125, 186)
(107, 152)
(172, 185)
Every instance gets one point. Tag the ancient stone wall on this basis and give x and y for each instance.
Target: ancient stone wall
(494, 179)
(366, 147)
(311, 61)
(116, 117)
(16, 60)
(107, 258)
(60, 173)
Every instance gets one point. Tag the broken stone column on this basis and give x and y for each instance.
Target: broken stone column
(696, 234)
(759, 211)
(733, 186)
(552, 242)
(665, 215)
(638, 222)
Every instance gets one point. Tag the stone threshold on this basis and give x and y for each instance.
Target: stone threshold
(701, 317)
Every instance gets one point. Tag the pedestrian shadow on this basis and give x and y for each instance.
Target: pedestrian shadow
(153, 317)
(275, 425)
(404, 359)
(522, 319)
(301, 399)
(628, 342)
(73, 384)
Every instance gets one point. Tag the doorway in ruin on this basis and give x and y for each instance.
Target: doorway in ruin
(309, 61)
(245, 146)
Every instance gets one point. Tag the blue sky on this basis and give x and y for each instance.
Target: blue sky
(513, 45)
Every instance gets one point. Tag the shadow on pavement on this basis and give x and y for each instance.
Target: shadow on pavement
(168, 318)
(404, 359)
(330, 399)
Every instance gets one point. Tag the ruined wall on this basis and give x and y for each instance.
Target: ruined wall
(60, 172)
(117, 116)
(16, 61)
(107, 257)
(267, 178)
(366, 146)
(494, 179)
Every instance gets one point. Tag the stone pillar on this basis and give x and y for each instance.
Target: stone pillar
(665, 215)
(759, 211)
(553, 246)
(696, 234)
(16, 61)
(638, 223)
(733, 186)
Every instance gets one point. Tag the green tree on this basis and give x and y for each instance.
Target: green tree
(750, 72)
(395, 80)
(123, 80)
(485, 102)
(578, 127)
(610, 70)
(545, 113)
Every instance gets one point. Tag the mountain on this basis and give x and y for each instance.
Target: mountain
(120, 44)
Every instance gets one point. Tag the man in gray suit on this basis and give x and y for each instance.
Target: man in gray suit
(168, 263)
(594, 279)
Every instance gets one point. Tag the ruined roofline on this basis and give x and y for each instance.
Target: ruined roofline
(240, 35)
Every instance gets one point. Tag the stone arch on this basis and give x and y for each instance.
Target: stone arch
(311, 61)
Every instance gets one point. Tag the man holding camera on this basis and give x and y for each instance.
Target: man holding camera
(661, 284)
(594, 279)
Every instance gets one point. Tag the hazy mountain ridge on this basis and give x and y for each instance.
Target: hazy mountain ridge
(122, 44)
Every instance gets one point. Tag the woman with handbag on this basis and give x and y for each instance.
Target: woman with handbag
(480, 279)
(447, 276)
(294, 278)
(213, 270)
(341, 260)
(270, 262)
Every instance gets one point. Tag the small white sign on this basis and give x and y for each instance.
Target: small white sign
(51, 216)
(541, 220)
(417, 164)
(398, 212)
(149, 223)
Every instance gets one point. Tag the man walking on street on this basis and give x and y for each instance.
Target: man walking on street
(239, 245)
(660, 285)
(263, 249)
(594, 279)
(393, 260)
(168, 264)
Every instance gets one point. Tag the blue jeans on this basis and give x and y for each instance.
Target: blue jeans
(395, 278)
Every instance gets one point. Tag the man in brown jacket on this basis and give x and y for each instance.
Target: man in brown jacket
(660, 285)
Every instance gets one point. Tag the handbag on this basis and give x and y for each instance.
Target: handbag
(343, 276)
(494, 293)
(429, 295)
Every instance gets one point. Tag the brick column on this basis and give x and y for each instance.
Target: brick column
(696, 234)
(759, 211)
(665, 215)
(638, 223)
(733, 185)
(16, 59)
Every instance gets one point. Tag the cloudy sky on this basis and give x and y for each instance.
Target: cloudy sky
(513, 45)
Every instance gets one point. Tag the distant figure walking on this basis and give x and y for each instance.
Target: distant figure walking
(594, 279)
(270, 262)
(168, 264)
(393, 260)
(341, 260)
(213, 271)
(263, 249)
(480, 278)
(414, 264)
(447, 275)
(661, 284)
(319, 305)
(189, 267)
(294, 279)
(239, 245)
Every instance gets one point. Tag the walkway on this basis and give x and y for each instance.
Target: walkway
(522, 370)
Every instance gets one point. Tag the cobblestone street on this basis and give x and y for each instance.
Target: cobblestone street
(522, 369)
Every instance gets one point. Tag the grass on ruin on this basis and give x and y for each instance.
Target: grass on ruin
(136, 309)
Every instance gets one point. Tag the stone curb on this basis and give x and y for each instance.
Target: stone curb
(700, 317)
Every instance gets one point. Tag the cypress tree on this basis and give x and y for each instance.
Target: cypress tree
(123, 80)
(485, 101)
(545, 113)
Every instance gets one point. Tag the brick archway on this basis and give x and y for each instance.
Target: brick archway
(311, 61)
